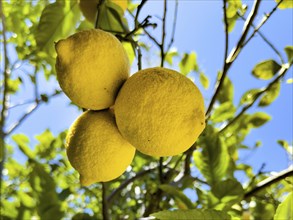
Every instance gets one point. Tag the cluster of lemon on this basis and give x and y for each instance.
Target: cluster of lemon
(157, 111)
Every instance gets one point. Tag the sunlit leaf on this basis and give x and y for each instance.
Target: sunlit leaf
(289, 51)
(188, 63)
(178, 195)
(223, 112)
(22, 141)
(13, 85)
(195, 214)
(170, 55)
(249, 96)
(285, 4)
(284, 210)
(213, 160)
(270, 95)
(258, 119)
(233, 7)
(266, 69)
(204, 80)
(289, 81)
(229, 190)
(130, 51)
(57, 21)
(226, 93)
(263, 210)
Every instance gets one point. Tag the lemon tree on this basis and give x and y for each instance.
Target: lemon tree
(59, 160)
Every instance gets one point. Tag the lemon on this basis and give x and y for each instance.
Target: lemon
(160, 112)
(89, 8)
(91, 67)
(96, 149)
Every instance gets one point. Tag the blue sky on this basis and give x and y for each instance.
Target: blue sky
(199, 29)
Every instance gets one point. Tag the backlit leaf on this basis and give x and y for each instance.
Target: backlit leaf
(285, 4)
(177, 194)
(266, 69)
(223, 112)
(285, 209)
(195, 214)
(213, 160)
(227, 91)
(229, 190)
(270, 95)
(249, 96)
(289, 51)
(170, 55)
(188, 63)
(289, 81)
(22, 141)
(258, 119)
(204, 80)
(57, 21)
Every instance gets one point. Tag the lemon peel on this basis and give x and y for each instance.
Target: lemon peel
(96, 149)
(91, 67)
(160, 112)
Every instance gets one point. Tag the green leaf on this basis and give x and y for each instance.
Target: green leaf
(289, 81)
(285, 4)
(249, 96)
(188, 63)
(266, 69)
(258, 119)
(289, 51)
(229, 190)
(233, 7)
(195, 214)
(112, 18)
(223, 112)
(48, 204)
(263, 210)
(204, 80)
(57, 21)
(213, 160)
(170, 55)
(178, 195)
(22, 141)
(227, 91)
(270, 95)
(13, 85)
(130, 50)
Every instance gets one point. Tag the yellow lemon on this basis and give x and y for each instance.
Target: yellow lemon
(89, 8)
(160, 112)
(91, 67)
(96, 149)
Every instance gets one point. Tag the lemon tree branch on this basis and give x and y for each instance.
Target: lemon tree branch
(233, 55)
(269, 181)
(281, 74)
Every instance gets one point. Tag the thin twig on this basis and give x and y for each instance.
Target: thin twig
(162, 46)
(127, 182)
(19, 122)
(104, 202)
(4, 100)
(269, 181)
(57, 92)
(174, 26)
(233, 55)
(265, 39)
(139, 7)
(264, 20)
(282, 73)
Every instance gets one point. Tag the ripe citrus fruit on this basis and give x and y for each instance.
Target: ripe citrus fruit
(160, 112)
(89, 8)
(96, 149)
(91, 67)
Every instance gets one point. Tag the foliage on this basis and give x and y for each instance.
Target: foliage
(45, 186)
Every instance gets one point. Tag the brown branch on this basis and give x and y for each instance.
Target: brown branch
(266, 17)
(162, 45)
(233, 55)
(265, 39)
(139, 7)
(282, 73)
(104, 202)
(174, 26)
(269, 181)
